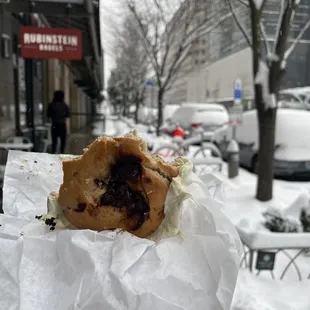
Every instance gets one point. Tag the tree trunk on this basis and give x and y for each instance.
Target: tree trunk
(267, 126)
(160, 111)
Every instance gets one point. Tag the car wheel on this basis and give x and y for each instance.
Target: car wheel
(255, 164)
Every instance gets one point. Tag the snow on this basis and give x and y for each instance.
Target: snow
(169, 110)
(259, 4)
(272, 103)
(233, 147)
(241, 205)
(258, 293)
(203, 113)
(268, 240)
(262, 78)
(113, 127)
(272, 57)
(283, 64)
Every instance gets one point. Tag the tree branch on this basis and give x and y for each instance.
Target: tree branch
(179, 51)
(278, 30)
(147, 44)
(247, 38)
(264, 37)
(289, 51)
(244, 3)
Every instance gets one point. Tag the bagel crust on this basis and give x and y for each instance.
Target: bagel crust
(116, 183)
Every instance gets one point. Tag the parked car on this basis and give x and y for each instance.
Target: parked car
(209, 116)
(292, 147)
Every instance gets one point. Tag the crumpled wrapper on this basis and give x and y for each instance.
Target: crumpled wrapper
(192, 264)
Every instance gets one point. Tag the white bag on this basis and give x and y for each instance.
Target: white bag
(194, 266)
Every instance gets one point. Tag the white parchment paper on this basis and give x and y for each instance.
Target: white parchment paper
(195, 268)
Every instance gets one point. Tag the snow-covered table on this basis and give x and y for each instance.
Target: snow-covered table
(270, 242)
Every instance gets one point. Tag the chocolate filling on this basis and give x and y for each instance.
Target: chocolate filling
(120, 195)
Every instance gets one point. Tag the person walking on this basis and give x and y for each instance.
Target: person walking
(58, 111)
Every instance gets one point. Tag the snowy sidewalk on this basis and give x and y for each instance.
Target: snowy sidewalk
(262, 292)
(113, 127)
(257, 293)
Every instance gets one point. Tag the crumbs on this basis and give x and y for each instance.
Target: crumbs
(23, 166)
(48, 221)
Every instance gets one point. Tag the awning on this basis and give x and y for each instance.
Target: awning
(80, 14)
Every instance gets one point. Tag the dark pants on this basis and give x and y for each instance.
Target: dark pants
(59, 131)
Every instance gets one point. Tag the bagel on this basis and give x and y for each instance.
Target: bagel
(116, 184)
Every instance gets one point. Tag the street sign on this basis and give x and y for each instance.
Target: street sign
(265, 260)
(45, 43)
(149, 83)
(238, 91)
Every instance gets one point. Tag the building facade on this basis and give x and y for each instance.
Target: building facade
(81, 80)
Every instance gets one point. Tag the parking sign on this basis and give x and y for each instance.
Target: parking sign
(238, 91)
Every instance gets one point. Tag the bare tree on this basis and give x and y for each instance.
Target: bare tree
(132, 65)
(268, 69)
(169, 29)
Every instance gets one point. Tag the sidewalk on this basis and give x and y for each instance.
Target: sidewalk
(78, 141)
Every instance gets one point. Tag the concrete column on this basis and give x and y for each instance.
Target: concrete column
(57, 74)
(46, 88)
(53, 78)
(66, 83)
(74, 104)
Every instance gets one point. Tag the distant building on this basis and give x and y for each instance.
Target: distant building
(222, 56)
